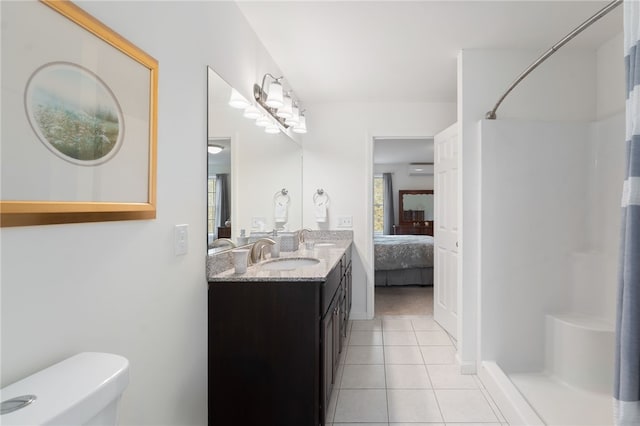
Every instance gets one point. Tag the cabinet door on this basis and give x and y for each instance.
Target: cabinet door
(328, 374)
(336, 336)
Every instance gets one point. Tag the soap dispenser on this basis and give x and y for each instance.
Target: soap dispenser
(243, 240)
(275, 249)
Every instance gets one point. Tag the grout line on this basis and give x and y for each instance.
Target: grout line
(384, 370)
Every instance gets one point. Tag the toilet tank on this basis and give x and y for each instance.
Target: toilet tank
(82, 390)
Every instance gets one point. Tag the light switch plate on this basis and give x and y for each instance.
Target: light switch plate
(345, 221)
(181, 239)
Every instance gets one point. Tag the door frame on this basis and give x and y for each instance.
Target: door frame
(370, 269)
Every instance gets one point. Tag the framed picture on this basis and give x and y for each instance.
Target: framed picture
(79, 119)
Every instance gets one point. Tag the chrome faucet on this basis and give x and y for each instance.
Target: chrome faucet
(219, 241)
(257, 251)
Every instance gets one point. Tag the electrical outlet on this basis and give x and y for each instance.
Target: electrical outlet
(345, 221)
(181, 239)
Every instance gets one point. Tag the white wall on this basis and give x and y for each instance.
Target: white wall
(535, 178)
(551, 94)
(610, 78)
(118, 287)
(338, 157)
(559, 90)
(402, 180)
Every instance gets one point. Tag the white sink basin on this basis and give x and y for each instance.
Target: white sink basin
(288, 264)
(324, 244)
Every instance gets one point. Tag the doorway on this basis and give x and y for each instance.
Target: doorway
(403, 210)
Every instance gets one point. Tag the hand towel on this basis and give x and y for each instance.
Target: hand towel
(280, 214)
(321, 212)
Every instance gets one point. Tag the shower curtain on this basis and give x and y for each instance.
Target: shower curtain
(223, 208)
(627, 372)
(388, 217)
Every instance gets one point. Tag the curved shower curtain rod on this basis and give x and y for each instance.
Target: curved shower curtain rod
(491, 115)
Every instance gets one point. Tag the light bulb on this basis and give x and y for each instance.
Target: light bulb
(251, 112)
(262, 121)
(295, 117)
(301, 127)
(287, 109)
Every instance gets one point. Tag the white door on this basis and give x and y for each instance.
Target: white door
(445, 288)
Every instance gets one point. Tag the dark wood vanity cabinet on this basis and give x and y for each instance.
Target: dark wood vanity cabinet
(274, 348)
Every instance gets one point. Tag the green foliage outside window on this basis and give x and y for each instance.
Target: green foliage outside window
(378, 205)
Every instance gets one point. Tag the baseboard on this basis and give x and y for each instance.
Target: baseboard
(359, 316)
(512, 404)
(465, 366)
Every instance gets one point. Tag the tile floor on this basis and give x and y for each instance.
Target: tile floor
(401, 370)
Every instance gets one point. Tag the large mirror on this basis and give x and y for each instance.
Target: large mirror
(247, 171)
(416, 206)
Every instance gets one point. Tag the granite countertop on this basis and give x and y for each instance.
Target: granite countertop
(329, 255)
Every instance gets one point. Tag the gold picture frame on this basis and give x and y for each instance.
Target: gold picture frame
(81, 155)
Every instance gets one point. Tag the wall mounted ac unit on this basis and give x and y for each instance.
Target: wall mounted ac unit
(420, 169)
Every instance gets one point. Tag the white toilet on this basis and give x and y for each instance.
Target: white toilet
(82, 390)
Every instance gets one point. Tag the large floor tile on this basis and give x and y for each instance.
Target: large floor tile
(418, 405)
(425, 324)
(365, 355)
(431, 338)
(361, 405)
(392, 324)
(407, 377)
(362, 424)
(363, 377)
(365, 338)
(467, 424)
(449, 377)
(414, 424)
(494, 406)
(465, 406)
(402, 355)
(331, 409)
(399, 338)
(438, 354)
(367, 325)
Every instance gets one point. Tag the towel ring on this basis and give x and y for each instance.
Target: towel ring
(320, 198)
(282, 197)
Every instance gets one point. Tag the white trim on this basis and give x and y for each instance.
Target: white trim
(359, 316)
(631, 192)
(509, 400)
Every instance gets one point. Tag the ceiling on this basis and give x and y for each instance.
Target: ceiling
(405, 51)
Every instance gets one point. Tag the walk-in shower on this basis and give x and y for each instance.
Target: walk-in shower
(550, 226)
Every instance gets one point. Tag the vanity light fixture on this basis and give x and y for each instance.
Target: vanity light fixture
(295, 117)
(214, 149)
(301, 127)
(281, 106)
(287, 108)
(263, 121)
(275, 97)
(251, 112)
(236, 100)
(272, 128)
(273, 109)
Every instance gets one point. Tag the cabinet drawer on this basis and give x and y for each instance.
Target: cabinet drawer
(329, 288)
